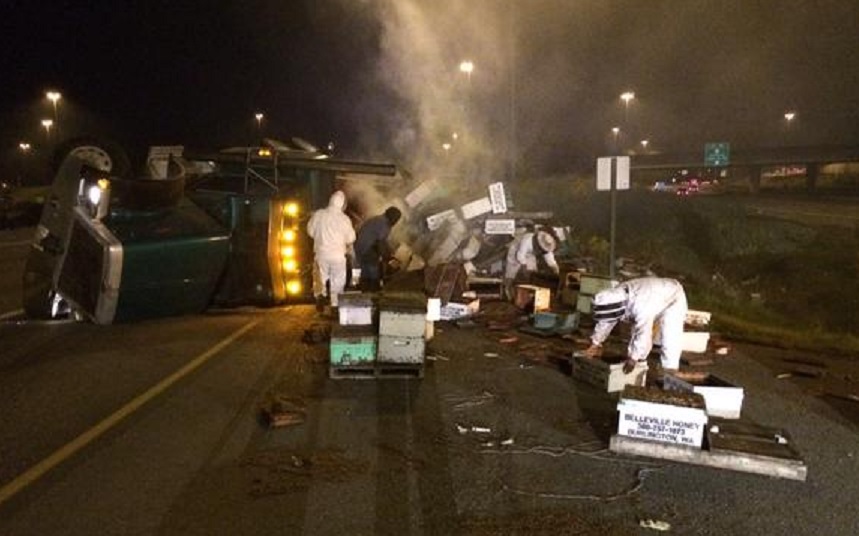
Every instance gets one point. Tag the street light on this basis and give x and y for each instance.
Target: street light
(616, 133)
(258, 116)
(24, 147)
(54, 96)
(644, 144)
(48, 123)
(467, 67)
(626, 97)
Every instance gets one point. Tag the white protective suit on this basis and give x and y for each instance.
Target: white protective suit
(521, 253)
(644, 301)
(333, 236)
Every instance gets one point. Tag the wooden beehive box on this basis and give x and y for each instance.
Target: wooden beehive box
(723, 399)
(606, 372)
(652, 414)
(352, 345)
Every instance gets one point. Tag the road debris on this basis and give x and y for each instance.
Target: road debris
(655, 524)
(283, 411)
(279, 471)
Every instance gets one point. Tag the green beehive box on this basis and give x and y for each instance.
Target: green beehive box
(353, 345)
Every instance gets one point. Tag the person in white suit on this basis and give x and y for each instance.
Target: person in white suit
(523, 253)
(333, 236)
(643, 302)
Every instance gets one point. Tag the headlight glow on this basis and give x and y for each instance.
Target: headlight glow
(294, 287)
(290, 209)
(94, 195)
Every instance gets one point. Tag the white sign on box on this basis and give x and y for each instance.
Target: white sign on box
(437, 220)
(498, 198)
(499, 227)
(476, 208)
(420, 193)
(661, 422)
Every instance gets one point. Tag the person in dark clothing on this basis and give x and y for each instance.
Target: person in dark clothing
(372, 249)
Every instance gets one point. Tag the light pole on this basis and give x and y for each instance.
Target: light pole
(259, 117)
(789, 117)
(615, 131)
(47, 124)
(54, 97)
(644, 144)
(25, 149)
(626, 97)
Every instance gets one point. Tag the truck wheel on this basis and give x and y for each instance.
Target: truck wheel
(103, 155)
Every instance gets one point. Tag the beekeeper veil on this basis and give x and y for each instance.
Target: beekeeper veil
(610, 304)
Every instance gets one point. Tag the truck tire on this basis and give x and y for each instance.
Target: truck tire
(100, 154)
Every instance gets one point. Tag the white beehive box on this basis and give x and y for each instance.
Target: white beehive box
(723, 399)
(354, 309)
(402, 323)
(661, 422)
(584, 303)
(607, 372)
(401, 350)
(591, 284)
(695, 341)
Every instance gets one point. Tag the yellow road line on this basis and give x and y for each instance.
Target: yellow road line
(59, 456)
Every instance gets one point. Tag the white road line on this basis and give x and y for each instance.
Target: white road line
(11, 314)
(14, 244)
(59, 456)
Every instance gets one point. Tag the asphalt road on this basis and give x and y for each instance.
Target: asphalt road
(14, 245)
(155, 428)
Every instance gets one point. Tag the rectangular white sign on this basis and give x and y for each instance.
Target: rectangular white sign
(497, 197)
(476, 208)
(613, 169)
(622, 173)
(499, 227)
(420, 193)
(437, 220)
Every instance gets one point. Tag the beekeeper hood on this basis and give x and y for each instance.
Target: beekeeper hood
(337, 200)
(546, 241)
(610, 304)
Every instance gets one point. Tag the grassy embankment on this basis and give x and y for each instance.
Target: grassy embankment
(765, 280)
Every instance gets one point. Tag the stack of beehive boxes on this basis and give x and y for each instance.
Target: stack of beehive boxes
(353, 338)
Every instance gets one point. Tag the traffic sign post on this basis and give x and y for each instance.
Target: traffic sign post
(613, 175)
(717, 154)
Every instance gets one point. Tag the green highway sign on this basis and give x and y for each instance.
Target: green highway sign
(717, 154)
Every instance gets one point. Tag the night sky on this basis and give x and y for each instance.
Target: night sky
(381, 79)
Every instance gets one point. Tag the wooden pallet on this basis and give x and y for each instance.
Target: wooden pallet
(738, 447)
(377, 371)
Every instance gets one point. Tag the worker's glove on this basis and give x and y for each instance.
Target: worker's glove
(629, 365)
(593, 351)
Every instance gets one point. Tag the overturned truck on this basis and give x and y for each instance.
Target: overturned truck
(219, 229)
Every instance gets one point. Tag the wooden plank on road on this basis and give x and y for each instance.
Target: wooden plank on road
(723, 459)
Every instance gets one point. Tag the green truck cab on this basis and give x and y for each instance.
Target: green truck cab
(220, 229)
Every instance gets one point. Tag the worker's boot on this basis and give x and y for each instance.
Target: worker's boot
(320, 304)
